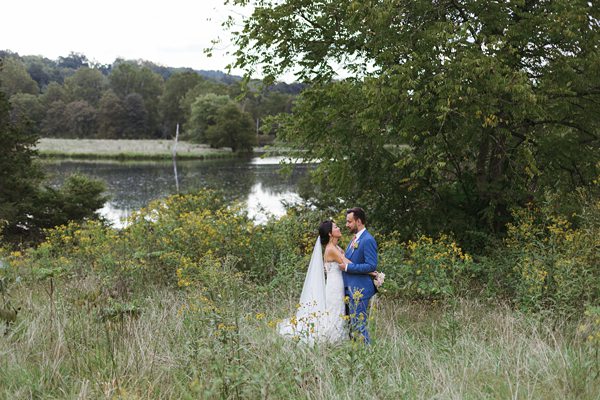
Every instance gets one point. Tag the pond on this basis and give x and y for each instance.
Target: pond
(131, 185)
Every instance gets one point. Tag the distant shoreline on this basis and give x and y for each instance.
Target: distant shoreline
(140, 149)
(127, 149)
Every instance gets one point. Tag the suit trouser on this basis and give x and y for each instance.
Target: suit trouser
(356, 309)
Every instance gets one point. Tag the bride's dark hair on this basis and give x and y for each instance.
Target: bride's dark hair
(324, 230)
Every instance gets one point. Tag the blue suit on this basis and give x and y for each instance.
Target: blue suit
(357, 280)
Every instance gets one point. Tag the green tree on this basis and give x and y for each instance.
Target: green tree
(205, 87)
(265, 103)
(112, 117)
(203, 114)
(26, 209)
(171, 107)
(73, 61)
(54, 92)
(81, 119)
(14, 78)
(77, 199)
(86, 84)
(38, 70)
(454, 111)
(55, 122)
(136, 122)
(27, 108)
(19, 176)
(232, 128)
(127, 78)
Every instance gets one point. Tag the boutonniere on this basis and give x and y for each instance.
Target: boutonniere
(355, 245)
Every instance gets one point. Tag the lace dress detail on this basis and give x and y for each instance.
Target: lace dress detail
(334, 324)
(324, 322)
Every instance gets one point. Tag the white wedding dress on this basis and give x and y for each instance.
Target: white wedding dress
(334, 324)
(320, 314)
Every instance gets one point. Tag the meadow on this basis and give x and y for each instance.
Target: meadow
(468, 351)
(126, 149)
(184, 303)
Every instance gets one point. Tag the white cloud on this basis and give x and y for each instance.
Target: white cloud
(172, 33)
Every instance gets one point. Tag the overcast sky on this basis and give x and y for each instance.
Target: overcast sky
(172, 33)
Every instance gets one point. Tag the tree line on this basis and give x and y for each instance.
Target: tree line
(73, 97)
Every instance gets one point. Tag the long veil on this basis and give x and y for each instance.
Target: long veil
(305, 326)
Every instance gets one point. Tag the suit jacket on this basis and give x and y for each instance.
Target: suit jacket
(364, 260)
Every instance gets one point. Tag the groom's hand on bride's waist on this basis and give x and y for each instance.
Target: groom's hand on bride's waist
(343, 267)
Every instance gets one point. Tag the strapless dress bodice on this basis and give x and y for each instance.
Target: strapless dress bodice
(331, 266)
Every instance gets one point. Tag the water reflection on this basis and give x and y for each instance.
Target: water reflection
(117, 216)
(132, 185)
(262, 203)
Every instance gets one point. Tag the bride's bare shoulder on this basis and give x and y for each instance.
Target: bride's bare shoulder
(328, 256)
(331, 254)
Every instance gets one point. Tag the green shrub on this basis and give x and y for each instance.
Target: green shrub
(281, 249)
(554, 264)
(181, 233)
(426, 268)
(189, 227)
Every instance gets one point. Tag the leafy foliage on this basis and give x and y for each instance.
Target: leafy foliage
(127, 99)
(232, 128)
(14, 78)
(27, 110)
(128, 79)
(25, 208)
(86, 84)
(172, 108)
(19, 177)
(427, 268)
(454, 111)
(78, 199)
(198, 242)
(175, 241)
(203, 112)
(551, 261)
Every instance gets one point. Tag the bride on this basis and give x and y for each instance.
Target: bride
(320, 315)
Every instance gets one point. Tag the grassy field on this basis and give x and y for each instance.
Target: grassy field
(184, 303)
(63, 348)
(126, 149)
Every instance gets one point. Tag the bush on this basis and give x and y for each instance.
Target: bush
(281, 249)
(426, 268)
(191, 227)
(170, 239)
(552, 263)
(546, 262)
(78, 199)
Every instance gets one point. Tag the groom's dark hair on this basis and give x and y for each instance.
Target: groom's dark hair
(359, 213)
(324, 230)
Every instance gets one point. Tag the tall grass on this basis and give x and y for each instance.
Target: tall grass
(62, 349)
(183, 303)
(126, 149)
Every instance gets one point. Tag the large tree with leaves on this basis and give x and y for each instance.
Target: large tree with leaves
(203, 113)
(14, 78)
(86, 84)
(129, 79)
(171, 106)
(19, 177)
(26, 208)
(453, 110)
(27, 108)
(232, 128)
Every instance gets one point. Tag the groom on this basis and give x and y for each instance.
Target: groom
(359, 287)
